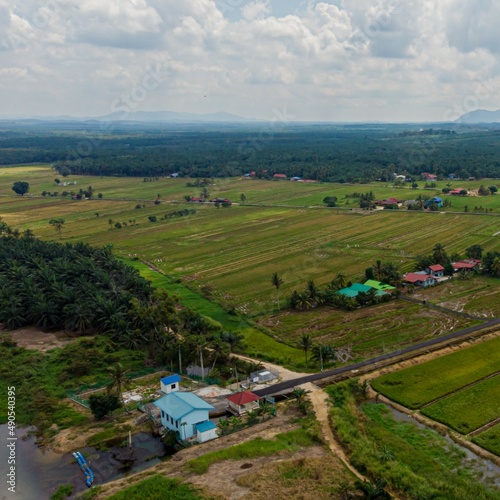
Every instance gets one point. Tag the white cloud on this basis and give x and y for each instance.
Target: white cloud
(349, 59)
(255, 10)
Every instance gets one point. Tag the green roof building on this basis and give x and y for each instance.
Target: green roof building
(379, 285)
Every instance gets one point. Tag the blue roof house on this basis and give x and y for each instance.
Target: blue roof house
(437, 200)
(170, 384)
(182, 412)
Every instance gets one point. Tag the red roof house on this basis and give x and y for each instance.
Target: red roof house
(242, 402)
(388, 201)
(279, 176)
(436, 270)
(429, 177)
(420, 279)
(467, 264)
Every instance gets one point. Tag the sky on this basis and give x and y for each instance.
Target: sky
(289, 60)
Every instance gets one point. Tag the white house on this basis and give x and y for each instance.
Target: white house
(182, 412)
(170, 384)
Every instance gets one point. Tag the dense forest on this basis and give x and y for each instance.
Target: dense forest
(326, 152)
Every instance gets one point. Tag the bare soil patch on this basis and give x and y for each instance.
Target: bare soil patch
(35, 339)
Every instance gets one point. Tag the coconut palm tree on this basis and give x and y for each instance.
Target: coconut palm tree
(305, 343)
(439, 254)
(118, 380)
(341, 280)
(277, 282)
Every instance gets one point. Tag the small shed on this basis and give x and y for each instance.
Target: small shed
(170, 384)
(262, 376)
(242, 402)
(206, 431)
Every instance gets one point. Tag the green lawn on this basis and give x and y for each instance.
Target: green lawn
(467, 410)
(414, 387)
(159, 487)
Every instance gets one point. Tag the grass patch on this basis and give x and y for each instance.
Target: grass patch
(415, 462)
(469, 409)
(158, 487)
(416, 386)
(64, 491)
(318, 478)
(489, 440)
(290, 442)
(108, 437)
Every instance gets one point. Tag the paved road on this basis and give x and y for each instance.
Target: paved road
(290, 384)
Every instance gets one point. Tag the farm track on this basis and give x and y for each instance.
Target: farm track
(472, 384)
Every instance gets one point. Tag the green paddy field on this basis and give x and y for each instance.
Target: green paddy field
(228, 255)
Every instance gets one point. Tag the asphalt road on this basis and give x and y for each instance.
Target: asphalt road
(290, 384)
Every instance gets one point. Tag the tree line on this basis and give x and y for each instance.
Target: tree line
(325, 152)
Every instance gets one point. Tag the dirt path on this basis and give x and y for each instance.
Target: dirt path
(318, 398)
(285, 374)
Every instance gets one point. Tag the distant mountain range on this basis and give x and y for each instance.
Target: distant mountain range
(480, 116)
(148, 116)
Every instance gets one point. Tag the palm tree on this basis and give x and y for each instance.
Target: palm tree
(495, 267)
(322, 352)
(439, 254)
(118, 380)
(303, 301)
(58, 225)
(78, 317)
(341, 280)
(305, 343)
(277, 282)
(312, 290)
